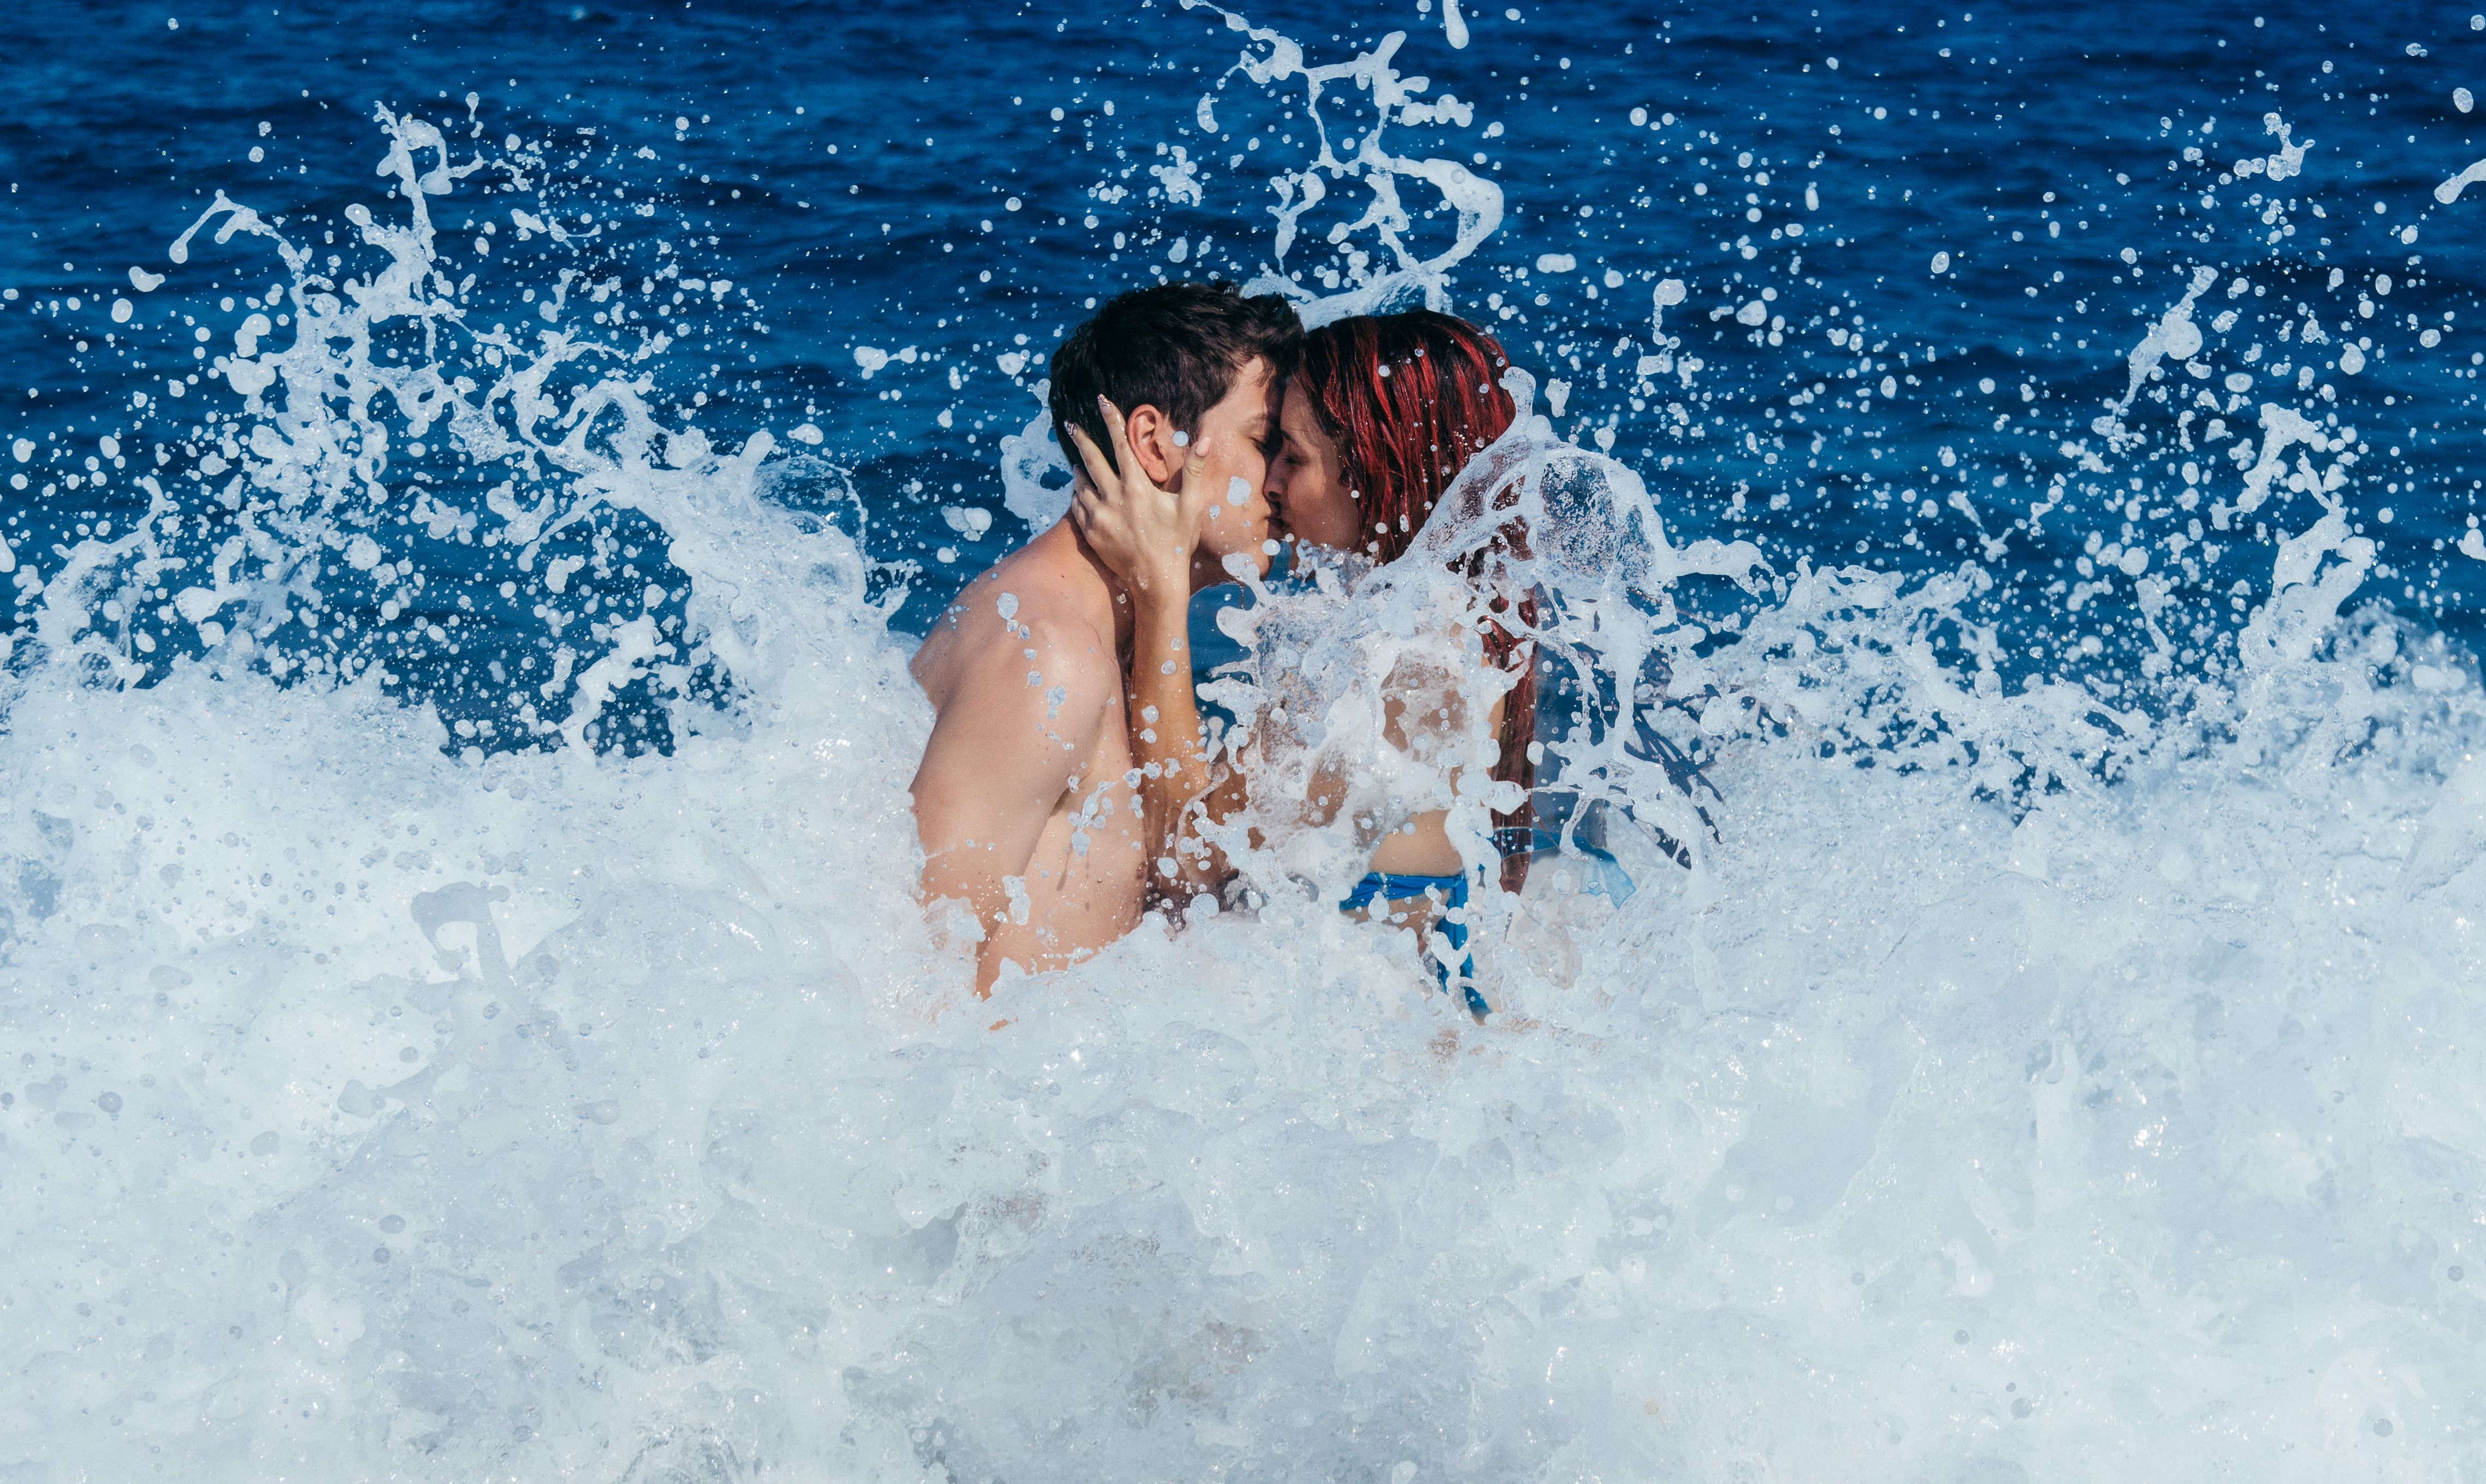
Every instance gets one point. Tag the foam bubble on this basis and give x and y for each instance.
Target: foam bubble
(2449, 190)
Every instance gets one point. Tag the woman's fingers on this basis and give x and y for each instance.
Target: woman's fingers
(1195, 469)
(1121, 440)
(1100, 477)
(1086, 504)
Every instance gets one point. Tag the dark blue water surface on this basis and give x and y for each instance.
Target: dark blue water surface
(964, 182)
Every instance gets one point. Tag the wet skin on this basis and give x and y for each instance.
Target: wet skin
(1025, 801)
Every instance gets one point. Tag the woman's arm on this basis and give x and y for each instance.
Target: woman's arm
(1167, 744)
(1147, 535)
(1420, 846)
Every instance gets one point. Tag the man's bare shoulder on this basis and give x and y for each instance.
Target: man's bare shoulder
(1066, 643)
(1025, 633)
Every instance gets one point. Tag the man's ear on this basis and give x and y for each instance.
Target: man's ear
(1151, 435)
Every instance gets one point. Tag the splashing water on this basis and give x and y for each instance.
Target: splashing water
(1401, 276)
(1985, 1074)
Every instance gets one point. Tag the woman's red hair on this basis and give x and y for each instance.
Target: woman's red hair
(1409, 399)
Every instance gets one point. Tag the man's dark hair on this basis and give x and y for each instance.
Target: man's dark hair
(1175, 347)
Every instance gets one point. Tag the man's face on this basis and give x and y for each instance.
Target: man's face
(1237, 433)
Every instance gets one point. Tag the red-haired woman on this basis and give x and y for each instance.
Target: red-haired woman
(1377, 424)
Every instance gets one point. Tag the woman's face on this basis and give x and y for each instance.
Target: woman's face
(1307, 492)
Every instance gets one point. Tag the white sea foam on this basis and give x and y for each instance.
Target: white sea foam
(559, 1114)
(2011, 1081)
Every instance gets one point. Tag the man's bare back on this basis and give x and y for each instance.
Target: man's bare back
(1024, 801)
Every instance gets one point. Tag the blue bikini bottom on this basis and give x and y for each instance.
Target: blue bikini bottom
(1606, 878)
(1452, 893)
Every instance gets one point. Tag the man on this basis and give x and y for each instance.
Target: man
(1025, 801)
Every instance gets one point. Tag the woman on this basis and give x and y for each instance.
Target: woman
(1373, 430)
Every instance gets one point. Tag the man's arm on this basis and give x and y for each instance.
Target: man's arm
(1000, 756)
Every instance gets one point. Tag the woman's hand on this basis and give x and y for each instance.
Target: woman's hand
(1145, 535)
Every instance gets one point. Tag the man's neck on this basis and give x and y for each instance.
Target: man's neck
(1109, 590)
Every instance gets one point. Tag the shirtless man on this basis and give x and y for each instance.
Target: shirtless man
(1025, 801)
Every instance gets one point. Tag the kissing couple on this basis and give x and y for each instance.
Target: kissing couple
(1068, 782)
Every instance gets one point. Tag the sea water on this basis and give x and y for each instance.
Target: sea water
(465, 1008)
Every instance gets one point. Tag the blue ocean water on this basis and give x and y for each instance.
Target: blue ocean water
(854, 176)
(473, 479)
